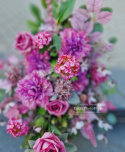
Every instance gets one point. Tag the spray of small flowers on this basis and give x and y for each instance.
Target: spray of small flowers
(60, 74)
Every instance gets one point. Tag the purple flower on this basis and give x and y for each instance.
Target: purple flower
(57, 107)
(24, 42)
(34, 90)
(74, 43)
(81, 82)
(37, 61)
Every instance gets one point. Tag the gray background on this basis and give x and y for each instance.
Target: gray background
(14, 14)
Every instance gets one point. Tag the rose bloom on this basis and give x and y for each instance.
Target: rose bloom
(57, 107)
(24, 42)
(49, 143)
(34, 90)
(16, 127)
(67, 66)
(37, 61)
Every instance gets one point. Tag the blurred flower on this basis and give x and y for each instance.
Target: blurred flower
(34, 90)
(16, 127)
(106, 126)
(57, 107)
(74, 43)
(81, 82)
(37, 61)
(14, 74)
(87, 132)
(67, 66)
(12, 60)
(37, 129)
(102, 138)
(63, 89)
(41, 39)
(24, 42)
(1, 64)
(2, 123)
(91, 97)
(99, 75)
(5, 85)
(79, 124)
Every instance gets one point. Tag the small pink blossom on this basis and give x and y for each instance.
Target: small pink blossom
(57, 107)
(1, 64)
(41, 39)
(49, 143)
(16, 127)
(67, 66)
(24, 42)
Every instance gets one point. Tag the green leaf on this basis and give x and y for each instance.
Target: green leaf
(111, 118)
(55, 9)
(55, 130)
(83, 6)
(36, 12)
(53, 63)
(32, 25)
(63, 137)
(74, 78)
(44, 49)
(53, 97)
(113, 40)
(43, 2)
(41, 111)
(98, 28)
(57, 42)
(70, 147)
(29, 150)
(66, 10)
(107, 9)
(55, 74)
(31, 143)
(41, 122)
(74, 100)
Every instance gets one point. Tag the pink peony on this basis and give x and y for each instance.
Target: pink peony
(57, 107)
(74, 43)
(99, 75)
(16, 127)
(36, 61)
(41, 39)
(24, 42)
(34, 90)
(67, 66)
(49, 143)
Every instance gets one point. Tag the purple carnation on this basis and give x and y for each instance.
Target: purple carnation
(37, 61)
(74, 43)
(81, 82)
(34, 90)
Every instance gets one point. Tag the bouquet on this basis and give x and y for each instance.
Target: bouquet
(58, 87)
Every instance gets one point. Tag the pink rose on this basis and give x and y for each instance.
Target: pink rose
(57, 107)
(24, 42)
(49, 143)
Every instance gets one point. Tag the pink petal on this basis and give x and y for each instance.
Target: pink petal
(104, 17)
(89, 27)
(94, 5)
(96, 36)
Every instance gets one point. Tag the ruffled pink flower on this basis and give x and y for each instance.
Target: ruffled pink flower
(67, 66)
(37, 61)
(16, 127)
(34, 90)
(74, 43)
(24, 42)
(99, 75)
(57, 107)
(49, 143)
(81, 82)
(41, 39)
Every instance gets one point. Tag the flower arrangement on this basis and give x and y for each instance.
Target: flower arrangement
(60, 79)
